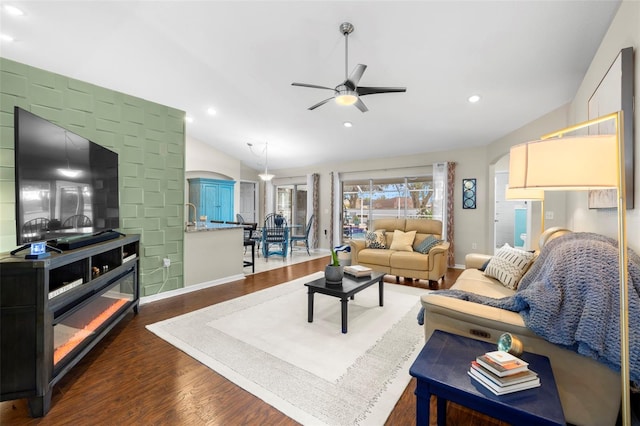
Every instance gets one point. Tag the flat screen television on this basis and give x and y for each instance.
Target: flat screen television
(65, 184)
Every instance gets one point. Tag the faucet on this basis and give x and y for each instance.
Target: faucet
(195, 214)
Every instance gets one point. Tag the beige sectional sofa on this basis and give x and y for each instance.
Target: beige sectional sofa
(406, 263)
(589, 391)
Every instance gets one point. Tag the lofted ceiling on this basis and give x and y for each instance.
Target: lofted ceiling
(523, 58)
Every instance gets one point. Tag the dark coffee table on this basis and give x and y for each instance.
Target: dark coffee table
(350, 286)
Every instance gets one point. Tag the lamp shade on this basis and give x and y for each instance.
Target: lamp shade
(568, 163)
(524, 194)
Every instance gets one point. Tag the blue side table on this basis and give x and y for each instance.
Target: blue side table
(441, 369)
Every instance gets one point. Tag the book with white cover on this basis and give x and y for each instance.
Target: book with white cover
(358, 270)
(502, 357)
(523, 376)
(502, 390)
(502, 369)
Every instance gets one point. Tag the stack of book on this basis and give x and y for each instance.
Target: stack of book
(358, 271)
(503, 373)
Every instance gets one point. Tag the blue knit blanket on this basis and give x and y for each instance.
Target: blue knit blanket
(571, 297)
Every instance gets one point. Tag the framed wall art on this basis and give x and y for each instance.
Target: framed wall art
(615, 93)
(468, 193)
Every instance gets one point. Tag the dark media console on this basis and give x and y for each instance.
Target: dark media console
(54, 310)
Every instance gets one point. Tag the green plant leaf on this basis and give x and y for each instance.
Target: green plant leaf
(334, 258)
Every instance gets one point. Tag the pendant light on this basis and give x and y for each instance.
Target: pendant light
(266, 176)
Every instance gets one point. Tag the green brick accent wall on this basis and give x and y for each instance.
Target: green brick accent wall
(149, 139)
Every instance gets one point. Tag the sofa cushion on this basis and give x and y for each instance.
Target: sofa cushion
(389, 224)
(409, 261)
(403, 241)
(474, 281)
(376, 239)
(425, 227)
(509, 265)
(427, 244)
(380, 257)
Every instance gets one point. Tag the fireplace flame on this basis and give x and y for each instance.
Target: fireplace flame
(64, 349)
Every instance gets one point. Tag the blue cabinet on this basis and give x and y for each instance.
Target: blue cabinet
(212, 197)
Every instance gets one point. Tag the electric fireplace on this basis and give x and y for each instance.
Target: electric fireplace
(71, 331)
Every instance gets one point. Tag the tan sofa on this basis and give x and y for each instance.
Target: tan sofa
(410, 264)
(589, 391)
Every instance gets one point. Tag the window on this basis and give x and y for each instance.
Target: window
(367, 200)
(291, 202)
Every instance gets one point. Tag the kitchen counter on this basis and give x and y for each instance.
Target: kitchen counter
(213, 254)
(211, 227)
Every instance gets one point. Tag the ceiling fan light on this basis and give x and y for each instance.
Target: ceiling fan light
(346, 97)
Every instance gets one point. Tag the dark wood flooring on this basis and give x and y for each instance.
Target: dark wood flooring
(133, 377)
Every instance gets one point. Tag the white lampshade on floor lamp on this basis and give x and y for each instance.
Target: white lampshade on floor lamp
(579, 163)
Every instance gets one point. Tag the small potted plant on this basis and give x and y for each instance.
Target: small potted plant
(333, 272)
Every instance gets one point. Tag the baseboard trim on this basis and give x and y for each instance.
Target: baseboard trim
(179, 291)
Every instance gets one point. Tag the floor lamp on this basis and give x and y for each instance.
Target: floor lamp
(528, 194)
(579, 163)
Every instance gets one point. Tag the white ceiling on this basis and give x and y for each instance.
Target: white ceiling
(524, 58)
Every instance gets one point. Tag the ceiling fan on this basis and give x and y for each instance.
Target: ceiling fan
(348, 92)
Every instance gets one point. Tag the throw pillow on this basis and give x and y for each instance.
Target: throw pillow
(376, 239)
(508, 265)
(484, 265)
(403, 241)
(428, 244)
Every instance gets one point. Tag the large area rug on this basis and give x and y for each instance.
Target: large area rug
(309, 371)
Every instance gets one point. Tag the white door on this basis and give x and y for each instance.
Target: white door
(504, 212)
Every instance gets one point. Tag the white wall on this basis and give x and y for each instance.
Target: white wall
(202, 160)
(470, 163)
(624, 32)
(498, 154)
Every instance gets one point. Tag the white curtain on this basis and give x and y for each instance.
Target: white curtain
(311, 209)
(336, 226)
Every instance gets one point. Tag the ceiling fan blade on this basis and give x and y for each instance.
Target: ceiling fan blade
(313, 86)
(319, 104)
(362, 91)
(355, 76)
(361, 106)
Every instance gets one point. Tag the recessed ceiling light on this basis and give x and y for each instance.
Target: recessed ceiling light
(211, 111)
(347, 124)
(188, 119)
(5, 37)
(474, 98)
(12, 10)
